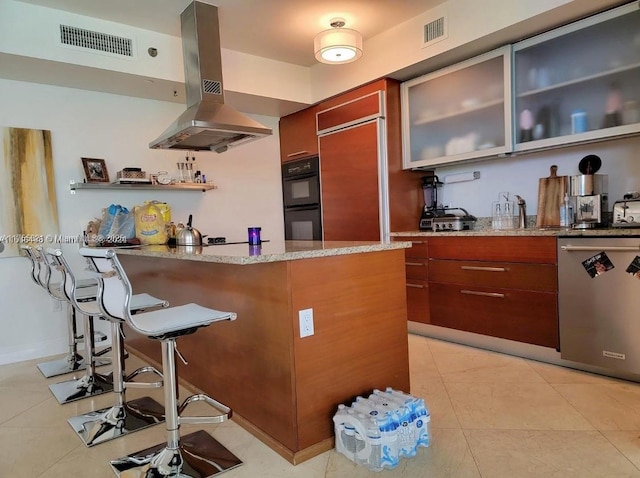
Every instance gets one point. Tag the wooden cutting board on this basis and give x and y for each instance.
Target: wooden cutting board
(551, 193)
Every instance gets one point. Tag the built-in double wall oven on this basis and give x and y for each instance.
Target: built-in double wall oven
(301, 198)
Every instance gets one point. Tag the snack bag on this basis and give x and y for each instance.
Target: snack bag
(117, 224)
(150, 224)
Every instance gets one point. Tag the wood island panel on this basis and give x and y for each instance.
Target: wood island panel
(284, 388)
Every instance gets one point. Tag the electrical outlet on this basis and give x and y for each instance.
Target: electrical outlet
(306, 322)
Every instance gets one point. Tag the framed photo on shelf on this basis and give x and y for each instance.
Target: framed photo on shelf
(95, 170)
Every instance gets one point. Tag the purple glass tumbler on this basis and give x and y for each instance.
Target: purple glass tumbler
(254, 236)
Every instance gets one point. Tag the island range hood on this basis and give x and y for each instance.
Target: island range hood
(207, 124)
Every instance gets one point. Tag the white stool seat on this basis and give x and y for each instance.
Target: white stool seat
(179, 318)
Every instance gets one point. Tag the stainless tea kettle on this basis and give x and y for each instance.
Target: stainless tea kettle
(188, 235)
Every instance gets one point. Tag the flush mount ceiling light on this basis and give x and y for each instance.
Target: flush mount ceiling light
(338, 45)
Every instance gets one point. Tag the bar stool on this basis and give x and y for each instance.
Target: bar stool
(73, 361)
(197, 454)
(123, 417)
(91, 383)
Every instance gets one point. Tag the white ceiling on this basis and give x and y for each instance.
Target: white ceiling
(278, 29)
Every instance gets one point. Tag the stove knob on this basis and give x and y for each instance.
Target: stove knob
(630, 219)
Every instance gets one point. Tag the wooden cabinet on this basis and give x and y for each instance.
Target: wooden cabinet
(416, 267)
(580, 82)
(460, 112)
(504, 287)
(365, 191)
(298, 138)
(349, 183)
(500, 286)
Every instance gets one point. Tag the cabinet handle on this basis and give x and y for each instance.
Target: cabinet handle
(594, 248)
(297, 153)
(486, 269)
(414, 264)
(417, 242)
(417, 286)
(484, 294)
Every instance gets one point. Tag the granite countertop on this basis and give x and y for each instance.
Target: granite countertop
(266, 252)
(610, 231)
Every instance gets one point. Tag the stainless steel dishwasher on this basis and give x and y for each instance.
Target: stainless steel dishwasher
(599, 301)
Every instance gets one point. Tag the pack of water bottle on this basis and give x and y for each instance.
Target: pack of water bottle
(379, 430)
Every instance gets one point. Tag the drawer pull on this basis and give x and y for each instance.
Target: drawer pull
(486, 269)
(416, 286)
(414, 264)
(484, 294)
(417, 242)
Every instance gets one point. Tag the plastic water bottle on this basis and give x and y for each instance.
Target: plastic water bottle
(407, 431)
(388, 426)
(361, 458)
(375, 439)
(418, 410)
(339, 428)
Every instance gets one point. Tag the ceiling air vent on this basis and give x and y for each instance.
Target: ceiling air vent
(435, 31)
(103, 42)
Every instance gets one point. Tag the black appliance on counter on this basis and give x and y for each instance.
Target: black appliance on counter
(432, 209)
(301, 199)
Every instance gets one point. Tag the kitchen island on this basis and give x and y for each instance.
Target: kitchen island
(283, 388)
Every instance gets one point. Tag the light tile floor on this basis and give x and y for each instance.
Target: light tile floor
(493, 416)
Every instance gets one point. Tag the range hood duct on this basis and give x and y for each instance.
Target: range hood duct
(208, 124)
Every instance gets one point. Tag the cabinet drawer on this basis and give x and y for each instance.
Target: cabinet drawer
(352, 112)
(418, 247)
(418, 301)
(523, 316)
(416, 268)
(512, 275)
(298, 137)
(504, 249)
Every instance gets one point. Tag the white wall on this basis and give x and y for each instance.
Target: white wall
(118, 129)
(520, 174)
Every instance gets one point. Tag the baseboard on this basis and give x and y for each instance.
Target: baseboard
(510, 347)
(20, 353)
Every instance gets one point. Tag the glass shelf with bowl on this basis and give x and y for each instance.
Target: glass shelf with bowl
(580, 82)
(458, 113)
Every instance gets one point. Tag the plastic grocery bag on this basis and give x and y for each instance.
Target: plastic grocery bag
(117, 225)
(150, 223)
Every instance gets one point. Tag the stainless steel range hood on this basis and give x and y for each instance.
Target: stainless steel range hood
(208, 124)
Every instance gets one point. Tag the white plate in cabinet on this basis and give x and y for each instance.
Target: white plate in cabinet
(580, 82)
(459, 113)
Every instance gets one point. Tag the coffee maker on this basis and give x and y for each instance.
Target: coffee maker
(432, 209)
(590, 199)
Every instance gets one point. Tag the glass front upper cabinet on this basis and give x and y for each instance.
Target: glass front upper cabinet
(580, 82)
(458, 113)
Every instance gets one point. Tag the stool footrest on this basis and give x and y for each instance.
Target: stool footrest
(201, 397)
(99, 336)
(130, 384)
(100, 353)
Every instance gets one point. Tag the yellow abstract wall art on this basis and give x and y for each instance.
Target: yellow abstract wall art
(28, 209)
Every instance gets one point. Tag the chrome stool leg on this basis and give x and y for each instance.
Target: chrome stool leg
(89, 385)
(73, 361)
(123, 417)
(197, 455)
